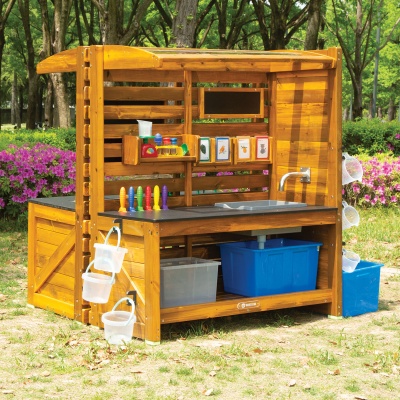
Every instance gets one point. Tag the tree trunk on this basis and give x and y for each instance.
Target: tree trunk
(391, 110)
(23, 6)
(3, 19)
(48, 106)
(184, 23)
(313, 25)
(15, 110)
(111, 17)
(54, 42)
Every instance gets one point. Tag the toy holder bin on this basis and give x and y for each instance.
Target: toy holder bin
(350, 260)
(97, 287)
(105, 252)
(118, 325)
(350, 216)
(351, 169)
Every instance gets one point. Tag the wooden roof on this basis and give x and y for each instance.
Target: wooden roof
(135, 58)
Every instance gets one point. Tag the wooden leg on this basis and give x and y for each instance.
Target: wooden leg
(152, 283)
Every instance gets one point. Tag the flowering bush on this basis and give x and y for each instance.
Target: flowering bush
(380, 184)
(31, 172)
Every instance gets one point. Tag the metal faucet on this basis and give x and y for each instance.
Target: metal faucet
(304, 174)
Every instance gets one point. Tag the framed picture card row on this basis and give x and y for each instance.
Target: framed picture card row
(240, 149)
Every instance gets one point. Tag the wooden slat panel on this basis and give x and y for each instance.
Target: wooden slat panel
(67, 267)
(229, 129)
(57, 257)
(143, 76)
(121, 93)
(118, 130)
(229, 77)
(302, 96)
(59, 280)
(112, 150)
(147, 112)
(118, 169)
(230, 182)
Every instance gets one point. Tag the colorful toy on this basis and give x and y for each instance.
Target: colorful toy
(131, 199)
(164, 196)
(122, 200)
(139, 196)
(156, 195)
(148, 199)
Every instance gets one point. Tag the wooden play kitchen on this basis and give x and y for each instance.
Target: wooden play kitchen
(241, 153)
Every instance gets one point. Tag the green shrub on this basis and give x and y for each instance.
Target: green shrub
(61, 138)
(371, 137)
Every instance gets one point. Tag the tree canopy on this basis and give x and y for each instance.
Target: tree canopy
(367, 31)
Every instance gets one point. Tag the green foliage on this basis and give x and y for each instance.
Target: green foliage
(371, 137)
(61, 138)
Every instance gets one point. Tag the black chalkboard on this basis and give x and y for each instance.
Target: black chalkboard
(232, 102)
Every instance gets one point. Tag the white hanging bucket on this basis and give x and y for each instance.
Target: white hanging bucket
(351, 169)
(350, 260)
(105, 253)
(350, 216)
(97, 287)
(118, 325)
(145, 128)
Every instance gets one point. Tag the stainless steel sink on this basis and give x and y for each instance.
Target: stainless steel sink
(259, 204)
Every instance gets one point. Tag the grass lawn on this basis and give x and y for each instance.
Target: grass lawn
(282, 354)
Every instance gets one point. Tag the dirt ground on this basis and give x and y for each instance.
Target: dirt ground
(290, 354)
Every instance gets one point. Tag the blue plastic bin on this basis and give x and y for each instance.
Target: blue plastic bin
(360, 289)
(283, 266)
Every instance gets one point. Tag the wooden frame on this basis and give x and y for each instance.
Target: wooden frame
(302, 120)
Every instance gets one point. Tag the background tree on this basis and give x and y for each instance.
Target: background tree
(184, 23)
(120, 22)
(353, 27)
(279, 21)
(5, 10)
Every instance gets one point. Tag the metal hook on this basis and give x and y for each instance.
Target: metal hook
(119, 222)
(133, 294)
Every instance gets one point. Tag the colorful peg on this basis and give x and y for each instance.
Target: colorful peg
(164, 196)
(156, 195)
(122, 200)
(148, 199)
(131, 199)
(139, 196)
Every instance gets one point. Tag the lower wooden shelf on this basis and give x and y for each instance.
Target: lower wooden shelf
(229, 304)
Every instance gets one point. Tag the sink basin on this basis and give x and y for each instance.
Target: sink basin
(259, 205)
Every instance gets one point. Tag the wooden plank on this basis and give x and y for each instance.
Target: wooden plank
(53, 214)
(126, 57)
(66, 268)
(58, 306)
(64, 61)
(250, 222)
(32, 252)
(230, 182)
(242, 305)
(229, 76)
(118, 169)
(152, 282)
(300, 96)
(119, 130)
(137, 93)
(154, 76)
(143, 112)
(230, 129)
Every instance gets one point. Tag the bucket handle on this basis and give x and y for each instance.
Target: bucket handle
(112, 230)
(108, 261)
(131, 302)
